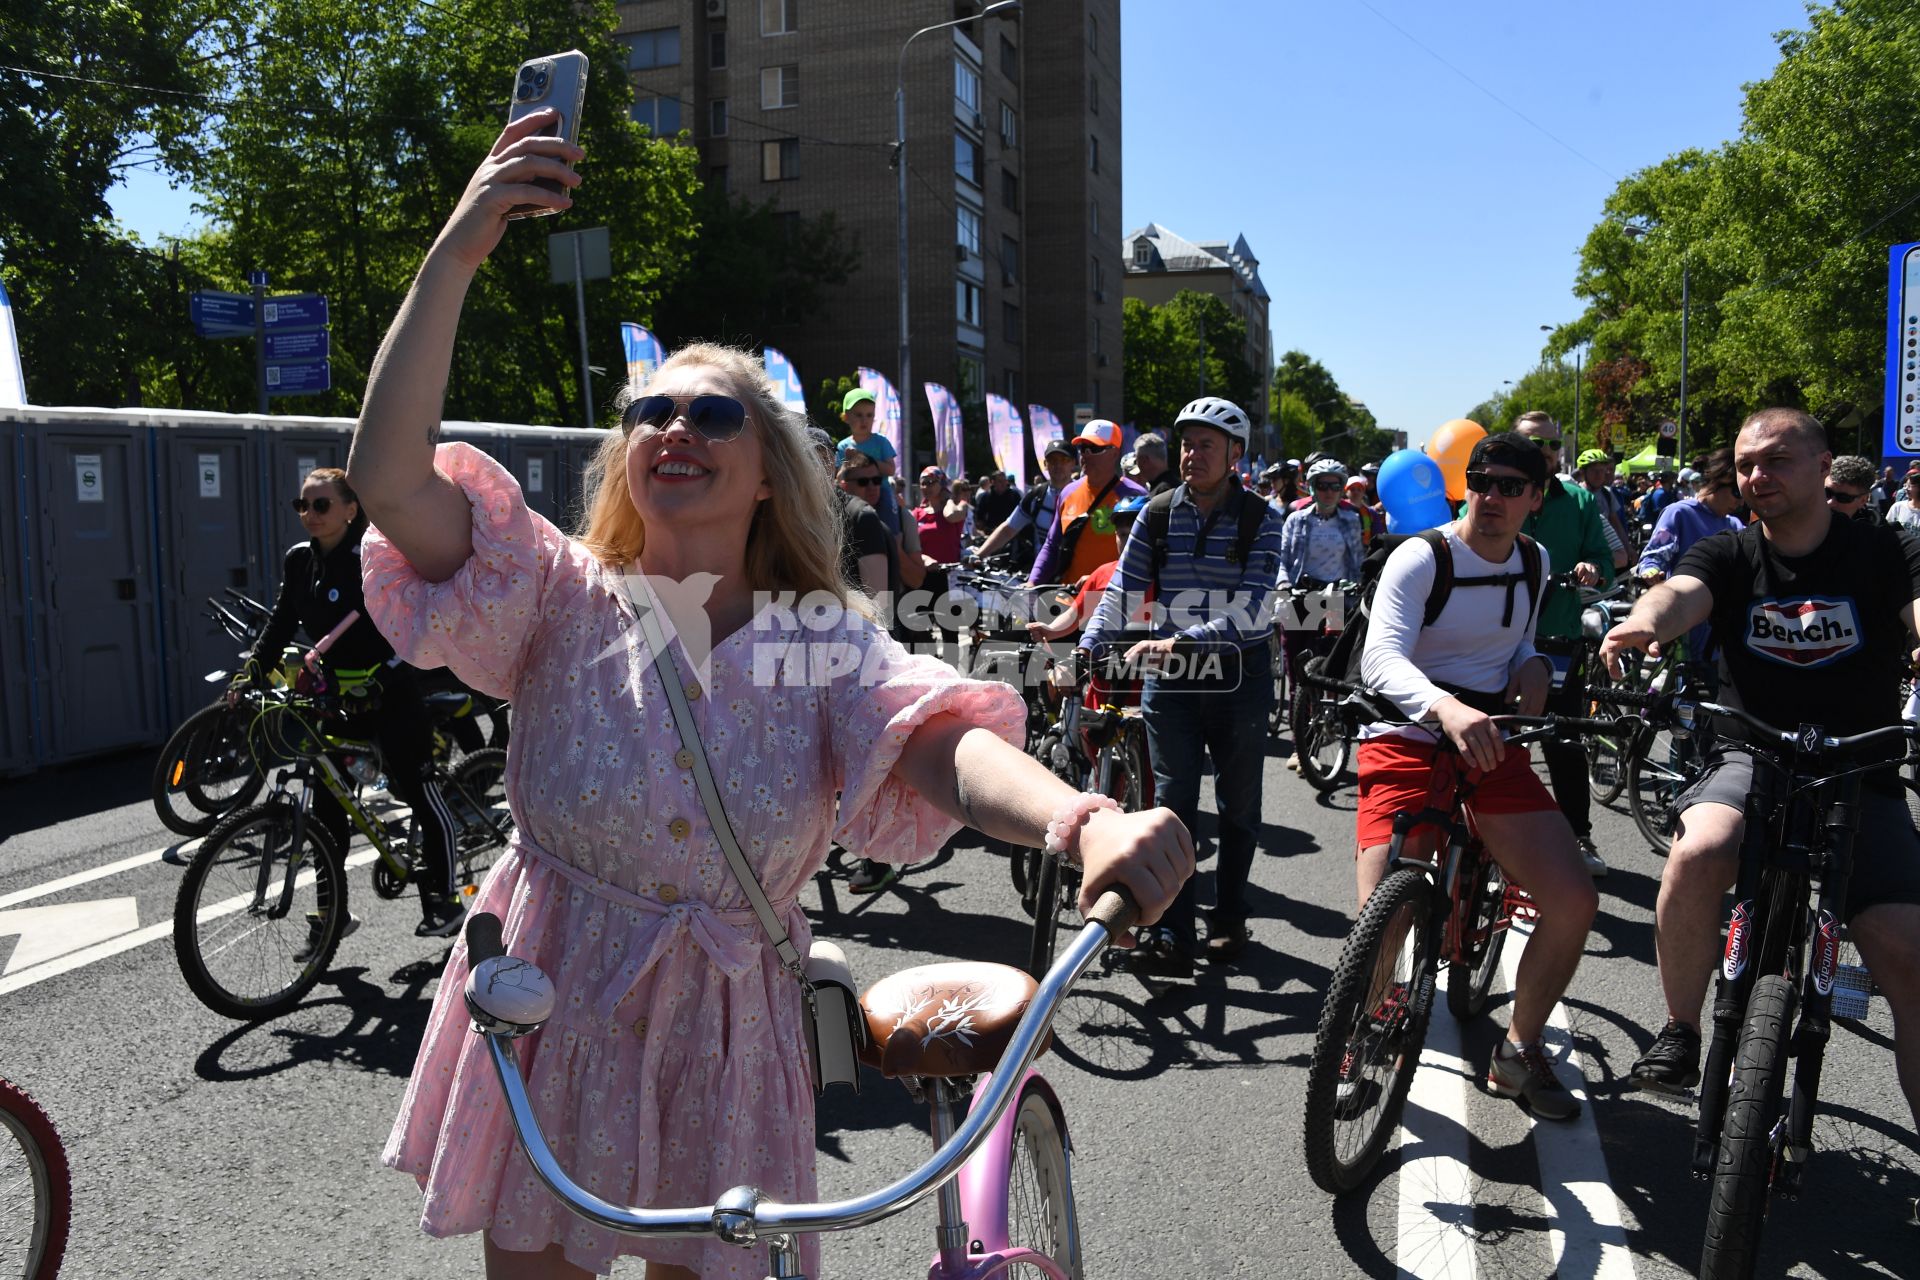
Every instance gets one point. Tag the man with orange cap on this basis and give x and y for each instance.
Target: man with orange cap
(1082, 536)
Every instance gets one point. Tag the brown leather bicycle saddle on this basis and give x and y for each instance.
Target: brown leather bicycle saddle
(944, 1020)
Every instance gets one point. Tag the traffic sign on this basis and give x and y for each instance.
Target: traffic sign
(1669, 430)
(295, 311)
(300, 378)
(1902, 431)
(301, 344)
(221, 315)
(257, 279)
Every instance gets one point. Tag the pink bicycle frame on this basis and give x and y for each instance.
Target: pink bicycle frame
(983, 1198)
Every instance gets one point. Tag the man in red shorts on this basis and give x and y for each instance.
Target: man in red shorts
(1474, 661)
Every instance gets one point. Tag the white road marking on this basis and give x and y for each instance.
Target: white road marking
(1436, 1185)
(1587, 1231)
(49, 932)
(88, 876)
(72, 960)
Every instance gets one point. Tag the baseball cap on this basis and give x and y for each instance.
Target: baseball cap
(1099, 432)
(1356, 480)
(1057, 445)
(1590, 457)
(1510, 449)
(859, 395)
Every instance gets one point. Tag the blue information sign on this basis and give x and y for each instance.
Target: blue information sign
(299, 378)
(258, 279)
(1903, 351)
(301, 344)
(295, 311)
(221, 315)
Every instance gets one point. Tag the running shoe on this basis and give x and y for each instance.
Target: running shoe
(1523, 1073)
(1671, 1063)
(440, 917)
(869, 876)
(316, 933)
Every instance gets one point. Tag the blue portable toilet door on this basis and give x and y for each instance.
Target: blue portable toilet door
(210, 495)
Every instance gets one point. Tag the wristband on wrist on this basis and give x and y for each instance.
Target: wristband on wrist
(1063, 829)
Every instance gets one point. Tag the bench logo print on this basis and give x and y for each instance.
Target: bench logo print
(1812, 631)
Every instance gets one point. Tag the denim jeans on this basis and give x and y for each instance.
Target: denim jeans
(1184, 726)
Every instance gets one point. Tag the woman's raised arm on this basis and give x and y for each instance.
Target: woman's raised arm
(419, 510)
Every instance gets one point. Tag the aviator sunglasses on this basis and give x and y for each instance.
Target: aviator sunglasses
(1509, 486)
(320, 506)
(714, 418)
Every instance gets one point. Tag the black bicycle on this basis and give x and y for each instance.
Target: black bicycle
(1773, 998)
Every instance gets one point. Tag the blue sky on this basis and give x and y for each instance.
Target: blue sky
(1414, 233)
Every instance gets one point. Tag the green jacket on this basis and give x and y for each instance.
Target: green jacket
(1568, 526)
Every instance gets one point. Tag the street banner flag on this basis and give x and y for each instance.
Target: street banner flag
(786, 379)
(13, 381)
(1046, 429)
(1007, 434)
(644, 354)
(886, 405)
(947, 447)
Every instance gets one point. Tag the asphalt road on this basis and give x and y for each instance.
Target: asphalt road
(202, 1148)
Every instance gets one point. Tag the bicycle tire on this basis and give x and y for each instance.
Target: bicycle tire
(1315, 730)
(1743, 1165)
(25, 1127)
(1467, 997)
(226, 847)
(1046, 915)
(477, 796)
(1041, 1214)
(1398, 1046)
(178, 788)
(1129, 783)
(1651, 797)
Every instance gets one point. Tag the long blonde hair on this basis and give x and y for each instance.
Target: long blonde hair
(794, 540)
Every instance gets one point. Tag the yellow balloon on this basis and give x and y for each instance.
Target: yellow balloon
(1450, 445)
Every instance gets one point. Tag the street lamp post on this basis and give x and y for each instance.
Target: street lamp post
(1637, 230)
(900, 164)
(1573, 446)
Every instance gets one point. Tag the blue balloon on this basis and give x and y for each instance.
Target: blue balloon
(1413, 491)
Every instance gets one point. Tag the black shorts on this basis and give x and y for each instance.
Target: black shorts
(1886, 851)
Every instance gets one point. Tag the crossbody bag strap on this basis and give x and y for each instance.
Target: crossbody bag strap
(668, 670)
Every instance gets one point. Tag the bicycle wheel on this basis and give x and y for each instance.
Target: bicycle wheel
(1046, 914)
(476, 792)
(1372, 1027)
(1743, 1166)
(36, 1194)
(1469, 986)
(1131, 780)
(1040, 1211)
(1319, 735)
(256, 921)
(204, 771)
(1661, 768)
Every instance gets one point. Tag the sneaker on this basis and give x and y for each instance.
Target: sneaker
(1596, 866)
(869, 876)
(440, 918)
(1347, 1093)
(1671, 1063)
(1293, 762)
(1158, 953)
(316, 934)
(1226, 939)
(1525, 1074)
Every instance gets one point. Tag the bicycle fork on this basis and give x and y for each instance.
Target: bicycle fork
(1733, 984)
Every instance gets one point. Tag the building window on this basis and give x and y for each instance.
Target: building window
(1099, 277)
(779, 88)
(1093, 32)
(719, 179)
(967, 160)
(1093, 217)
(967, 228)
(662, 115)
(1009, 260)
(717, 50)
(1093, 94)
(788, 222)
(1010, 189)
(966, 87)
(1009, 127)
(1009, 59)
(1013, 385)
(717, 117)
(649, 49)
(1143, 253)
(780, 160)
(1093, 154)
(972, 380)
(1010, 321)
(966, 302)
(777, 17)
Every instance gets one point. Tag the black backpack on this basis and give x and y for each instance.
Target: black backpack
(1343, 660)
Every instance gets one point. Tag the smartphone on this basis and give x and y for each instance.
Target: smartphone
(559, 81)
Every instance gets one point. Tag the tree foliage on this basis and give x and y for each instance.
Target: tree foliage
(1339, 424)
(752, 271)
(1164, 362)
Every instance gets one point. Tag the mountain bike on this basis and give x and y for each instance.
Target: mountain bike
(1452, 907)
(1003, 1175)
(263, 903)
(1608, 754)
(1663, 763)
(1322, 736)
(1783, 954)
(204, 770)
(36, 1193)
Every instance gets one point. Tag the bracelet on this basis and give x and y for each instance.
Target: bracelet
(1063, 838)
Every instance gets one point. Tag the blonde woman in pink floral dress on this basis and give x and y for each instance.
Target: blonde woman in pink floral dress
(676, 1066)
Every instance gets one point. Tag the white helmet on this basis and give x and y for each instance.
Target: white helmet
(1222, 415)
(1326, 467)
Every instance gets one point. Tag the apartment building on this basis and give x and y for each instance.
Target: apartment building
(1013, 176)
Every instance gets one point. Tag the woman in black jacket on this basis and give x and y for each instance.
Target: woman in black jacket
(319, 587)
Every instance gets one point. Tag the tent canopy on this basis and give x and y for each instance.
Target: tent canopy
(1646, 460)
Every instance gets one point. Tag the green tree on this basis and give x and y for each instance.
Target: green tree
(754, 271)
(1190, 345)
(1299, 427)
(1344, 426)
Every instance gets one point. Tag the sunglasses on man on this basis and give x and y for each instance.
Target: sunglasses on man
(1509, 486)
(717, 419)
(1324, 486)
(1841, 495)
(864, 482)
(320, 506)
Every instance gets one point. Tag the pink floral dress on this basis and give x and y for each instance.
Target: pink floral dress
(675, 1065)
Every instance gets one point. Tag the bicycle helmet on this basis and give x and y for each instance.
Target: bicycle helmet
(1326, 467)
(1221, 415)
(1130, 506)
(1274, 474)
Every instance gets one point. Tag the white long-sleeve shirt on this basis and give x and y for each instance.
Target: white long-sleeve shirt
(1466, 646)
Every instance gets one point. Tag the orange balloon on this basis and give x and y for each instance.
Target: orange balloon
(1449, 445)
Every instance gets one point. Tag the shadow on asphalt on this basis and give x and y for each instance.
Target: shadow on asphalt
(65, 792)
(356, 1022)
